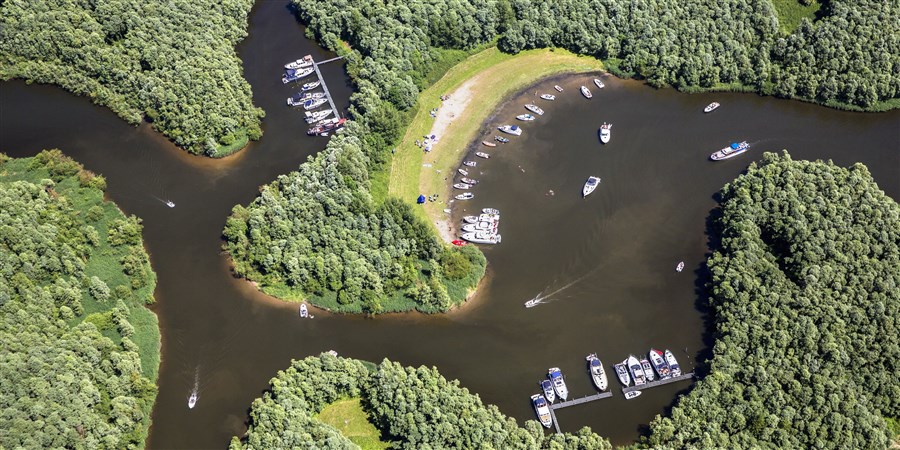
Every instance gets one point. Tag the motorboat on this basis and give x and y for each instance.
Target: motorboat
(465, 196)
(637, 372)
(305, 61)
(299, 98)
(525, 117)
(622, 373)
(480, 226)
(586, 92)
(489, 144)
(323, 128)
(673, 364)
(313, 103)
(679, 267)
(598, 375)
(304, 312)
(462, 171)
(510, 129)
(736, 148)
(559, 385)
(532, 303)
(501, 139)
(711, 107)
(463, 186)
(470, 163)
(296, 74)
(170, 203)
(489, 218)
(482, 155)
(468, 180)
(542, 410)
(659, 364)
(192, 400)
(547, 387)
(482, 237)
(535, 109)
(605, 132)
(316, 116)
(632, 394)
(599, 83)
(490, 211)
(550, 97)
(470, 219)
(648, 370)
(558, 88)
(590, 185)
(310, 86)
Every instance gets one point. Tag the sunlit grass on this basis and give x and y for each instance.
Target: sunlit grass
(348, 417)
(790, 12)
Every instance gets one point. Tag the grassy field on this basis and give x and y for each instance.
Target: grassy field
(350, 419)
(494, 76)
(791, 11)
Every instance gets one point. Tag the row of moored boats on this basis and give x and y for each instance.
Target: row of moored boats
(321, 121)
(483, 228)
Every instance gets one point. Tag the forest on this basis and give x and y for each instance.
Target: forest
(414, 408)
(80, 351)
(805, 297)
(172, 64)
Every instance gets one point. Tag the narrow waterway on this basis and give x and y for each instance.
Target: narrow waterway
(605, 263)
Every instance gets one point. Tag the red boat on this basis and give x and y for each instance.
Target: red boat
(459, 243)
(326, 127)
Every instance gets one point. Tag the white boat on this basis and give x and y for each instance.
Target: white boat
(470, 228)
(558, 88)
(547, 387)
(525, 117)
(535, 109)
(632, 394)
(488, 144)
(605, 132)
(656, 358)
(310, 86)
(637, 372)
(542, 410)
(559, 385)
(590, 185)
(598, 375)
(463, 186)
(511, 129)
(304, 312)
(482, 155)
(470, 219)
(673, 364)
(502, 139)
(313, 103)
(648, 370)
(296, 74)
(599, 83)
(550, 97)
(305, 61)
(622, 373)
(192, 400)
(170, 203)
(465, 196)
(711, 107)
(482, 237)
(470, 163)
(468, 180)
(679, 267)
(462, 171)
(531, 304)
(736, 148)
(490, 211)
(586, 92)
(316, 116)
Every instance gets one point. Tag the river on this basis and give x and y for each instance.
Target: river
(606, 262)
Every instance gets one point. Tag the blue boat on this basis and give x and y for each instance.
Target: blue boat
(736, 148)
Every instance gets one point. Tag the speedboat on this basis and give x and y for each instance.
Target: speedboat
(542, 410)
(310, 86)
(622, 373)
(489, 144)
(605, 132)
(673, 364)
(599, 83)
(637, 372)
(632, 394)
(590, 185)
(558, 88)
(315, 116)
(511, 129)
(490, 211)
(711, 107)
(648, 370)
(304, 312)
(558, 383)
(535, 109)
(586, 92)
(299, 98)
(462, 171)
(470, 219)
(482, 155)
(192, 400)
(501, 139)
(493, 218)
(313, 103)
(525, 117)
(736, 148)
(326, 126)
(679, 267)
(170, 203)
(531, 304)
(463, 186)
(547, 387)
(465, 196)
(296, 74)
(305, 61)
(471, 228)
(470, 163)
(597, 372)
(468, 180)
(550, 97)
(482, 237)
(656, 358)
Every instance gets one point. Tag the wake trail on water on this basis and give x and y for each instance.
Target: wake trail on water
(541, 299)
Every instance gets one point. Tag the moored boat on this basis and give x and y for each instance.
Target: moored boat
(315, 116)
(299, 98)
(679, 267)
(632, 394)
(470, 163)
(465, 196)
(482, 237)
(550, 97)
(482, 155)
(542, 410)
(605, 132)
(659, 364)
(192, 400)
(590, 185)
(462, 171)
(558, 88)
(711, 107)
(296, 74)
(488, 144)
(598, 374)
(463, 186)
(322, 129)
(637, 372)
(673, 364)
(468, 180)
(736, 148)
(458, 242)
(305, 61)
(511, 129)
(586, 92)
(525, 117)
(310, 86)
(304, 311)
(535, 109)
(313, 103)
(501, 139)
(622, 373)
(648, 370)
(547, 387)
(490, 211)
(599, 83)
(470, 219)
(559, 385)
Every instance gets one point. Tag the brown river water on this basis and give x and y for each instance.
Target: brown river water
(605, 264)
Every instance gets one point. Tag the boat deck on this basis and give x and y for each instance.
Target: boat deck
(652, 384)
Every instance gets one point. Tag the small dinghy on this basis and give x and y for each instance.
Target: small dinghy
(463, 186)
(599, 83)
(535, 109)
(679, 267)
(558, 88)
(525, 117)
(470, 163)
(711, 107)
(490, 211)
(462, 171)
(459, 242)
(632, 394)
(468, 180)
(488, 144)
(304, 312)
(465, 196)
(170, 203)
(586, 92)
(482, 155)
(550, 97)
(501, 139)
(192, 400)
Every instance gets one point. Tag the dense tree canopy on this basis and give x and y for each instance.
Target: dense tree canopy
(78, 352)
(806, 294)
(413, 408)
(172, 63)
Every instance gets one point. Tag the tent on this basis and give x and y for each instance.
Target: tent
(421, 199)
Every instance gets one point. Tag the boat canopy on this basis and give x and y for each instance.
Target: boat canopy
(735, 145)
(555, 373)
(595, 362)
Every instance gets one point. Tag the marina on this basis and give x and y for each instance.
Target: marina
(311, 101)
(653, 384)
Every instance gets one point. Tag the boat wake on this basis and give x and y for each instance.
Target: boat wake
(540, 298)
(195, 393)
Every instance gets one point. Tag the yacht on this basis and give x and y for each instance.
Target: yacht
(637, 372)
(170, 203)
(632, 394)
(310, 86)
(597, 372)
(558, 88)
(622, 373)
(656, 358)
(558, 383)
(648, 370)
(465, 196)
(315, 116)
(482, 237)
(313, 103)
(535, 109)
(736, 148)
(550, 97)
(305, 61)
(586, 92)
(605, 132)
(511, 129)
(326, 126)
(673, 364)
(296, 74)
(462, 186)
(299, 98)
(711, 107)
(542, 410)
(525, 117)
(192, 400)
(679, 267)
(547, 387)
(590, 185)
(599, 83)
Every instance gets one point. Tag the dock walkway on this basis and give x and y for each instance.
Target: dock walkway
(653, 384)
(337, 114)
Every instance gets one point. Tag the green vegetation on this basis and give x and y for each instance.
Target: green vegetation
(791, 12)
(172, 64)
(414, 408)
(806, 300)
(80, 350)
(349, 418)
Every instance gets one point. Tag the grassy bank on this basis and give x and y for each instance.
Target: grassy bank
(490, 77)
(348, 417)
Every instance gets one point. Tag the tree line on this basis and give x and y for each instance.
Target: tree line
(80, 351)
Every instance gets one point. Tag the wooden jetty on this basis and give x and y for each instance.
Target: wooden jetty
(337, 113)
(573, 402)
(653, 384)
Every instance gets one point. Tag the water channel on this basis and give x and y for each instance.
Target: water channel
(607, 260)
